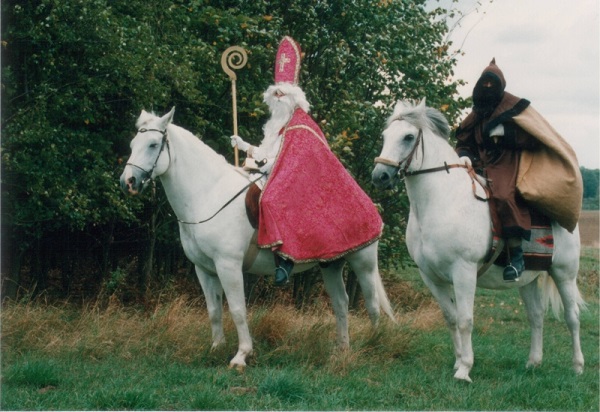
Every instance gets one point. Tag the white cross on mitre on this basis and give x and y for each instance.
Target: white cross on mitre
(283, 60)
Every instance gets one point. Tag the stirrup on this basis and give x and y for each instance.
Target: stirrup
(516, 265)
(511, 274)
(282, 276)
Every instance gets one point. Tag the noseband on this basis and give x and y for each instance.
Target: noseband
(164, 142)
(403, 171)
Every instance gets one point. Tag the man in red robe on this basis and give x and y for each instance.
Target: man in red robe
(311, 209)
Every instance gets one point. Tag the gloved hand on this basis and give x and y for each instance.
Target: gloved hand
(267, 166)
(239, 142)
(497, 131)
(466, 160)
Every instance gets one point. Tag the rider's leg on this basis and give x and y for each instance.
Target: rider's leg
(516, 264)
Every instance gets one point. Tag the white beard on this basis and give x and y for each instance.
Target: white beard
(281, 113)
(282, 108)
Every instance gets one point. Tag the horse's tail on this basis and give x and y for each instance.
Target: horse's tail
(551, 298)
(384, 302)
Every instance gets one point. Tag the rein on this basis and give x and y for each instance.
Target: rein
(225, 205)
(404, 172)
(164, 142)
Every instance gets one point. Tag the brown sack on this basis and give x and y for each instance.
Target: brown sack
(549, 177)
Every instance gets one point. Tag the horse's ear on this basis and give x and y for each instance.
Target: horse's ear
(400, 107)
(166, 120)
(143, 119)
(422, 103)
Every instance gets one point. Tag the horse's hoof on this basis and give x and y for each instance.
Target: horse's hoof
(239, 368)
(461, 376)
(217, 344)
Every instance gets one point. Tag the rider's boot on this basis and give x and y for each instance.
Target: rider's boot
(283, 271)
(517, 264)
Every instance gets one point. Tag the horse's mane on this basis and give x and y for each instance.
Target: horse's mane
(147, 117)
(422, 117)
(205, 147)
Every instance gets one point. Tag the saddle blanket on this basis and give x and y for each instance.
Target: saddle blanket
(537, 252)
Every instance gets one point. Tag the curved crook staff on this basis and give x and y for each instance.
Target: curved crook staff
(234, 57)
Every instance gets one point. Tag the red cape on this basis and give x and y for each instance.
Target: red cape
(311, 209)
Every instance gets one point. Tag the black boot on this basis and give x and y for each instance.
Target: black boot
(516, 267)
(283, 271)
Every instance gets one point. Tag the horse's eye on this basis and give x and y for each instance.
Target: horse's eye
(153, 145)
(409, 137)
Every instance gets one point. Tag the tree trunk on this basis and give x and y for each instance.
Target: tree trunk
(147, 254)
(12, 258)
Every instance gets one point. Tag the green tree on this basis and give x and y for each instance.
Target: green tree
(591, 183)
(75, 74)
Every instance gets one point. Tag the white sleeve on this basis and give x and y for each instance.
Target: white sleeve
(269, 152)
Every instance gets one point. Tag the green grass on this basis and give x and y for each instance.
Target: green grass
(61, 357)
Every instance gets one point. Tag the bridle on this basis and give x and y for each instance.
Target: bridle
(164, 143)
(404, 172)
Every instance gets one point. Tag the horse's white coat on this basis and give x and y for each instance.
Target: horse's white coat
(449, 234)
(198, 182)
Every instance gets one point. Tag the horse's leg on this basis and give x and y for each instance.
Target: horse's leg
(213, 294)
(443, 294)
(532, 299)
(564, 269)
(571, 299)
(230, 275)
(334, 285)
(458, 312)
(465, 281)
(364, 264)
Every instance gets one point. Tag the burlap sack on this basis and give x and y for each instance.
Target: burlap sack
(549, 178)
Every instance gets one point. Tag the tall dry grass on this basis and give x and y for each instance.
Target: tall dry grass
(179, 329)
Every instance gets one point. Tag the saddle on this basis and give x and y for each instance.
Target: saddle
(252, 199)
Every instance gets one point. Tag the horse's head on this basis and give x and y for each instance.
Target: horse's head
(150, 156)
(403, 149)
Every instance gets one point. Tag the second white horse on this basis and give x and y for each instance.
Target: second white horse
(449, 235)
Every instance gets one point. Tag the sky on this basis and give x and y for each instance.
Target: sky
(549, 52)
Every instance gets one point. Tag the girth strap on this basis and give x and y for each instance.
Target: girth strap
(251, 252)
(492, 259)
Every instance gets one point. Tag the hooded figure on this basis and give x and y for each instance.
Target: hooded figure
(494, 137)
(311, 209)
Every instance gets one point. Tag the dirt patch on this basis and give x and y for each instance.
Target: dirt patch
(589, 228)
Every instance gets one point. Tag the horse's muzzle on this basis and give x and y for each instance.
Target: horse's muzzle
(132, 185)
(384, 176)
(129, 185)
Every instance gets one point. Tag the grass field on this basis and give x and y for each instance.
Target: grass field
(110, 357)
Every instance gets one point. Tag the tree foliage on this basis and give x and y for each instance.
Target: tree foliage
(591, 185)
(76, 73)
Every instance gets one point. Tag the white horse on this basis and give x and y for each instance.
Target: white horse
(449, 235)
(207, 196)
